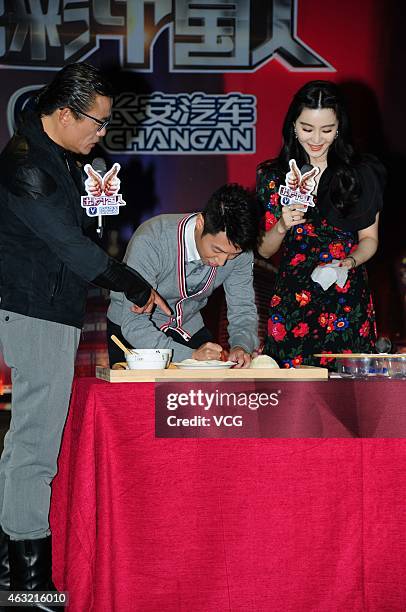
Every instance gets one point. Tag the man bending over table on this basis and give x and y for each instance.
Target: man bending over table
(186, 257)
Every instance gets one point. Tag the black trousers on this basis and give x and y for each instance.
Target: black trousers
(116, 354)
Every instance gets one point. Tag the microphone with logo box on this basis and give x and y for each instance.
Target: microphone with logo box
(99, 165)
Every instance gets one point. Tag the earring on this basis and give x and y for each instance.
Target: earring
(294, 129)
(336, 136)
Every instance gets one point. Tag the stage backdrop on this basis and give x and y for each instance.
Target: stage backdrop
(202, 89)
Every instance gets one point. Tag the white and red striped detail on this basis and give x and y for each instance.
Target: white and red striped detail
(175, 321)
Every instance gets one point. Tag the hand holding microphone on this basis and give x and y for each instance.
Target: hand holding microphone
(300, 182)
(291, 216)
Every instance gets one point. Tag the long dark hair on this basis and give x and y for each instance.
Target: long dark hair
(341, 157)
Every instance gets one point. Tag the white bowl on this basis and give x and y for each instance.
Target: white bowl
(154, 359)
(150, 353)
(147, 364)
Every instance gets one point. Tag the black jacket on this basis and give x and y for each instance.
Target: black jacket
(46, 260)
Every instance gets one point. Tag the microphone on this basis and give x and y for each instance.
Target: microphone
(99, 165)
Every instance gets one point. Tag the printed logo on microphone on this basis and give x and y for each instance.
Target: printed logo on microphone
(298, 187)
(102, 191)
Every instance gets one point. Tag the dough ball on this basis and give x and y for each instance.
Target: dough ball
(263, 361)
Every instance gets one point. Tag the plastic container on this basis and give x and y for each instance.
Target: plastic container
(396, 367)
(362, 367)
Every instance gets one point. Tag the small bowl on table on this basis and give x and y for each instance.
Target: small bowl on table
(148, 359)
(361, 367)
(396, 366)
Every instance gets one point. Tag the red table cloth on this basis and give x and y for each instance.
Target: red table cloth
(142, 524)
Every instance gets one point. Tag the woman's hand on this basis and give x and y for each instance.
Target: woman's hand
(348, 262)
(272, 240)
(366, 248)
(291, 216)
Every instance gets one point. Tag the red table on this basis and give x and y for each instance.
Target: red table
(142, 524)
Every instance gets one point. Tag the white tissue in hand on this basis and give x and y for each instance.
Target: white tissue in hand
(328, 274)
(263, 361)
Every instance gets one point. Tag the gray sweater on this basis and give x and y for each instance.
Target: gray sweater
(153, 251)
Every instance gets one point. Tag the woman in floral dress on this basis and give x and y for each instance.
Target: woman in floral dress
(303, 318)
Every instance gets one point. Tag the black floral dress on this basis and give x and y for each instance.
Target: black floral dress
(303, 318)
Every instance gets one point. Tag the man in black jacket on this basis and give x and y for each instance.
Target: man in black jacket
(46, 265)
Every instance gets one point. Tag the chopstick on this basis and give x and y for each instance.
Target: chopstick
(120, 344)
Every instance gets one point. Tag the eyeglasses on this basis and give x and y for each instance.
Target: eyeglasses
(102, 124)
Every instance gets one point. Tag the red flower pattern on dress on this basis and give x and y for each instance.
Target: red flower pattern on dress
(301, 330)
(304, 297)
(270, 221)
(276, 330)
(370, 308)
(274, 199)
(309, 227)
(323, 319)
(364, 329)
(337, 250)
(296, 361)
(330, 325)
(297, 259)
(345, 288)
(275, 300)
(326, 360)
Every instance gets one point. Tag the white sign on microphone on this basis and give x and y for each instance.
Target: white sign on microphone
(299, 186)
(102, 190)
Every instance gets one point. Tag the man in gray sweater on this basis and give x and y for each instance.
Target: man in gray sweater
(186, 257)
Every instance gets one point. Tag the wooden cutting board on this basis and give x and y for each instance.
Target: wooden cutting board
(303, 373)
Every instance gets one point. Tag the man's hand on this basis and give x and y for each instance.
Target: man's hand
(208, 350)
(239, 355)
(154, 299)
